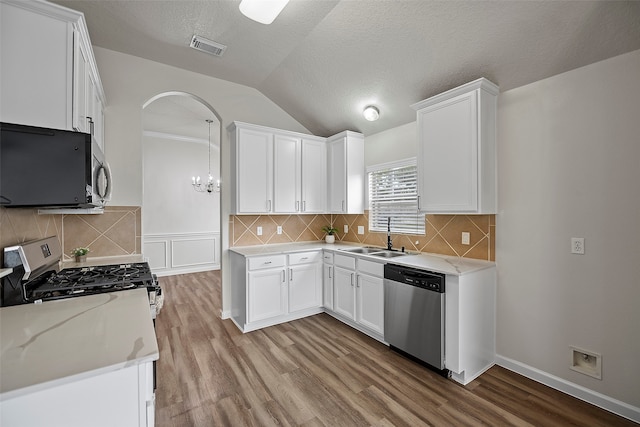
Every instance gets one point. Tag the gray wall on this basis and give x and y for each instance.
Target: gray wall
(568, 166)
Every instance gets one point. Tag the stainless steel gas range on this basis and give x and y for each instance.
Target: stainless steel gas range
(37, 277)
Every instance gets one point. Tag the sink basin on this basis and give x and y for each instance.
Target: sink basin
(388, 254)
(365, 250)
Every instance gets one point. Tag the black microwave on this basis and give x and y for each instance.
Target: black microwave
(41, 167)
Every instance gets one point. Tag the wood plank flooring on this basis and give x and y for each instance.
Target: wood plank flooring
(319, 372)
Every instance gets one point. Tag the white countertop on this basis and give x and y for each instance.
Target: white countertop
(57, 342)
(283, 248)
(456, 266)
(111, 260)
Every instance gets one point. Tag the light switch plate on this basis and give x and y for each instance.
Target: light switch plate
(259, 231)
(361, 229)
(346, 228)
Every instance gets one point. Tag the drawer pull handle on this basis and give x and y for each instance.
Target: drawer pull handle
(267, 262)
(305, 257)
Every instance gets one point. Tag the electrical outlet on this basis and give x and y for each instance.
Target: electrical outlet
(279, 229)
(259, 231)
(346, 228)
(361, 229)
(466, 238)
(577, 245)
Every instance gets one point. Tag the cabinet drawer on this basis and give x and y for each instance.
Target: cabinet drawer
(270, 261)
(370, 267)
(344, 261)
(327, 257)
(305, 257)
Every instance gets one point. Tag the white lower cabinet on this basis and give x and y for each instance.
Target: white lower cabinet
(267, 294)
(122, 397)
(305, 286)
(327, 280)
(344, 294)
(370, 302)
(273, 289)
(358, 286)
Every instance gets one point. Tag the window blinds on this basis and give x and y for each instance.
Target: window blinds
(393, 193)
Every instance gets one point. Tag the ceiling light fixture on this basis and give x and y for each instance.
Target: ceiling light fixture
(210, 186)
(262, 11)
(371, 113)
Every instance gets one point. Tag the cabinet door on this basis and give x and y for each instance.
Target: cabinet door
(370, 302)
(327, 286)
(267, 294)
(344, 294)
(36, 66)
(80, 77)
(337, 177)
(448, 155)
(286, 174)
(305, 286)
(254, 191)
(314, 176)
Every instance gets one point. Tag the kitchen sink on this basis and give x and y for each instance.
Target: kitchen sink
(379, 252)
(365, 250)
(388, 254)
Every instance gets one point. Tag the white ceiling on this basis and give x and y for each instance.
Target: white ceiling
(323, 61)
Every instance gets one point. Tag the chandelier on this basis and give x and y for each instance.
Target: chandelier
(211, 185)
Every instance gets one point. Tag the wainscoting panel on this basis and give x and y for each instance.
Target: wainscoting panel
(157, 254)
(170, 254)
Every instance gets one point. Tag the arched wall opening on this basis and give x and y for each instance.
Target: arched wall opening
(181, 226)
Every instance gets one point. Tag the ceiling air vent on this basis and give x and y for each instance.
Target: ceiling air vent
(208, 46)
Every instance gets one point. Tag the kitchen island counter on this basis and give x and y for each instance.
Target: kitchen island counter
(59, 342)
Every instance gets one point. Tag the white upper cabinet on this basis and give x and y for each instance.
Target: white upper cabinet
(252, 160)
(286, 173)
(276, 171)
(457, 150)
(346, 173)
(46, 62)
(314, 176)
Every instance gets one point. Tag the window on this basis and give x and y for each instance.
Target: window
(393, 193)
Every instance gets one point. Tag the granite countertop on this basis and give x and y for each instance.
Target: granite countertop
(5, 271)
(456, 266)
(58, 342)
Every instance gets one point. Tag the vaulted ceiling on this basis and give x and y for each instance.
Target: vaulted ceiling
(323, 61)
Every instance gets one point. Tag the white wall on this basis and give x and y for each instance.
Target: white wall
(390, 145)
(170, 205)
(569, 166)
(130, 81)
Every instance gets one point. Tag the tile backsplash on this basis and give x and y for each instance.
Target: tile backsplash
(115, 232)
(443, 232)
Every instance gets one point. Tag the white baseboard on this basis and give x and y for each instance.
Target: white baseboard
(598, 399)
(225, 314)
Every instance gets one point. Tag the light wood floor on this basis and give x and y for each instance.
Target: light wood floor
(318, 372)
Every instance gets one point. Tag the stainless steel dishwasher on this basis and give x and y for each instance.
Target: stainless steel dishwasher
(414, 313)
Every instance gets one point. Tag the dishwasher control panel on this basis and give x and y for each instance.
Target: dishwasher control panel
(415, 277)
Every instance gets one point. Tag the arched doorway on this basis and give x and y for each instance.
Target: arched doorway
(181, 226)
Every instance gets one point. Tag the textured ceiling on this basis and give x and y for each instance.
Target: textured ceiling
(322, 61)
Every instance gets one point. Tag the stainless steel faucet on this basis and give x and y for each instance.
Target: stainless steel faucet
(389, 243)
